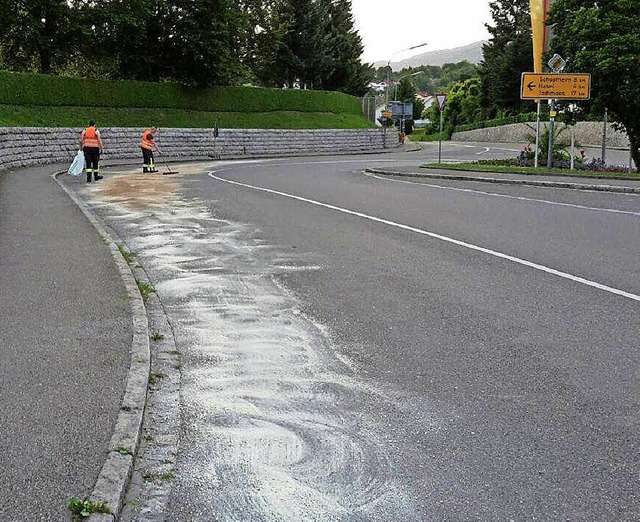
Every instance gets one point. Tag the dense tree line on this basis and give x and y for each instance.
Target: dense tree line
(307, 43)
(602, 38)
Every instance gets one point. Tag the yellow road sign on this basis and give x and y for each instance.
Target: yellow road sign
(553, 86)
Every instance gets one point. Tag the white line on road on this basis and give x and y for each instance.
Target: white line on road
(486, 149)
(507, 196)
(470, 246)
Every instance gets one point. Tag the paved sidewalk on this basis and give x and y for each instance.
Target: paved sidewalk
(65, 336)
(604, 184)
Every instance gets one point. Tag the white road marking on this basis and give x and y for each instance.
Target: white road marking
(507, 196)
(486, 149)
(457, 242)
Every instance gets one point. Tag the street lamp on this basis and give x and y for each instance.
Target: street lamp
(389, 67)
(395, 87)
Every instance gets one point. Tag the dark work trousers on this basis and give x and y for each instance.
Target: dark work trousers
(91, 160)
(147, 160)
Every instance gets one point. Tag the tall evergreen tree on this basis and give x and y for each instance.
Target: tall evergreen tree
(506, 56)
(300, 55)
(345, 72)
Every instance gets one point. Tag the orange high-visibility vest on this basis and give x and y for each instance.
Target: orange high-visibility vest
(147, 140)
(90, 138)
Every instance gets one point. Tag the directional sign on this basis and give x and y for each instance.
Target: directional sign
(537, 86)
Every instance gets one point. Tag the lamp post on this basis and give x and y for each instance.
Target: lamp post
(395, 94)
(389, 68)
(395, 87)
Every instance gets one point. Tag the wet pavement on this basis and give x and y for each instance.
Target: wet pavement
(253, 414)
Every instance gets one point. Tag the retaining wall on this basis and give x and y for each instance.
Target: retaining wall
(25, 146)
(588, 133)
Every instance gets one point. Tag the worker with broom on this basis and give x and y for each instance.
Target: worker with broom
(148, 145)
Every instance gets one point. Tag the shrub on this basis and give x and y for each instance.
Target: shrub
(29, 89)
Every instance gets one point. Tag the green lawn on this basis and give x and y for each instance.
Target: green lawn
(475, 167)
(33, 116)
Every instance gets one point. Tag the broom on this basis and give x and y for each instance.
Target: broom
(167, 164)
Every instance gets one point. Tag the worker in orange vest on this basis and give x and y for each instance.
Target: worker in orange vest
(148, 145)
(91, 145)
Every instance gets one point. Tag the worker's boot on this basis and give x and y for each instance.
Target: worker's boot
(97, 176)
(89, 174)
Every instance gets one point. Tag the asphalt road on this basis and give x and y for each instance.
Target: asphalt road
(497, 336)
(362, 349)
(65, 334)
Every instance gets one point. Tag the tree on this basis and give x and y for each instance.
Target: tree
(38, 35)
(260, 36)
(128, 40)
(200, 42)
(464, 103)
(601, 37)
(345, 72)
(187, 41)
(506, 56)
(300, 56)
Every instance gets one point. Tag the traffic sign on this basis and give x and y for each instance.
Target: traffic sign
(441, 99)
(535, 86)
(557, 63)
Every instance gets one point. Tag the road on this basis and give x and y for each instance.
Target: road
(365, 349)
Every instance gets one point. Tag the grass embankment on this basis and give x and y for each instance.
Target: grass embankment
(37, 116)
(540, 171)
(48, 101)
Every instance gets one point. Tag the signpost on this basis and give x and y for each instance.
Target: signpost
(553, 86)
(441, 99)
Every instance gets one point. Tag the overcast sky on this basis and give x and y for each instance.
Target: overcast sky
(389, 26)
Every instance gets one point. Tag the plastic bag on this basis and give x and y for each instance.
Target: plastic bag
(77, 166)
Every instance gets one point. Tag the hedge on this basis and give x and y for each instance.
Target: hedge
(35, 116)
(30, 89)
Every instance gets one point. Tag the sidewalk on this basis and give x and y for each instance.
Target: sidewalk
(571, 182)
(65, 337)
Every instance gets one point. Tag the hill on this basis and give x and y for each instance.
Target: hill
(471, 53)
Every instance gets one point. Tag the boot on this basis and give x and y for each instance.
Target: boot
(88, 177)
(97, 176)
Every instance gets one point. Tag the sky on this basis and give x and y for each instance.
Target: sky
(388, 27)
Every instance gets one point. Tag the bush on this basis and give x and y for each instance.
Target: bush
(29, 89)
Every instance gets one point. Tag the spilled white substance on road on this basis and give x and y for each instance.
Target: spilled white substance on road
(274, 424)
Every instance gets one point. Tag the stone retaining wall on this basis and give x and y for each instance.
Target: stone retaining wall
(588, 133)
(25, 146)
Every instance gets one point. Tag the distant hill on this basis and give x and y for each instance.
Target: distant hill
(472, 53)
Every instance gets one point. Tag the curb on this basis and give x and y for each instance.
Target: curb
(536, 183)
(115, 475)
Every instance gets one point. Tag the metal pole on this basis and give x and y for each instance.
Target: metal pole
(552, 121)
(573, 144)
(535, 162)
(604, 136)
(388, 83)
(440, 139)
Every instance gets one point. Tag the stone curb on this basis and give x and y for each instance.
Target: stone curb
(537, 183)
(113, 480)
